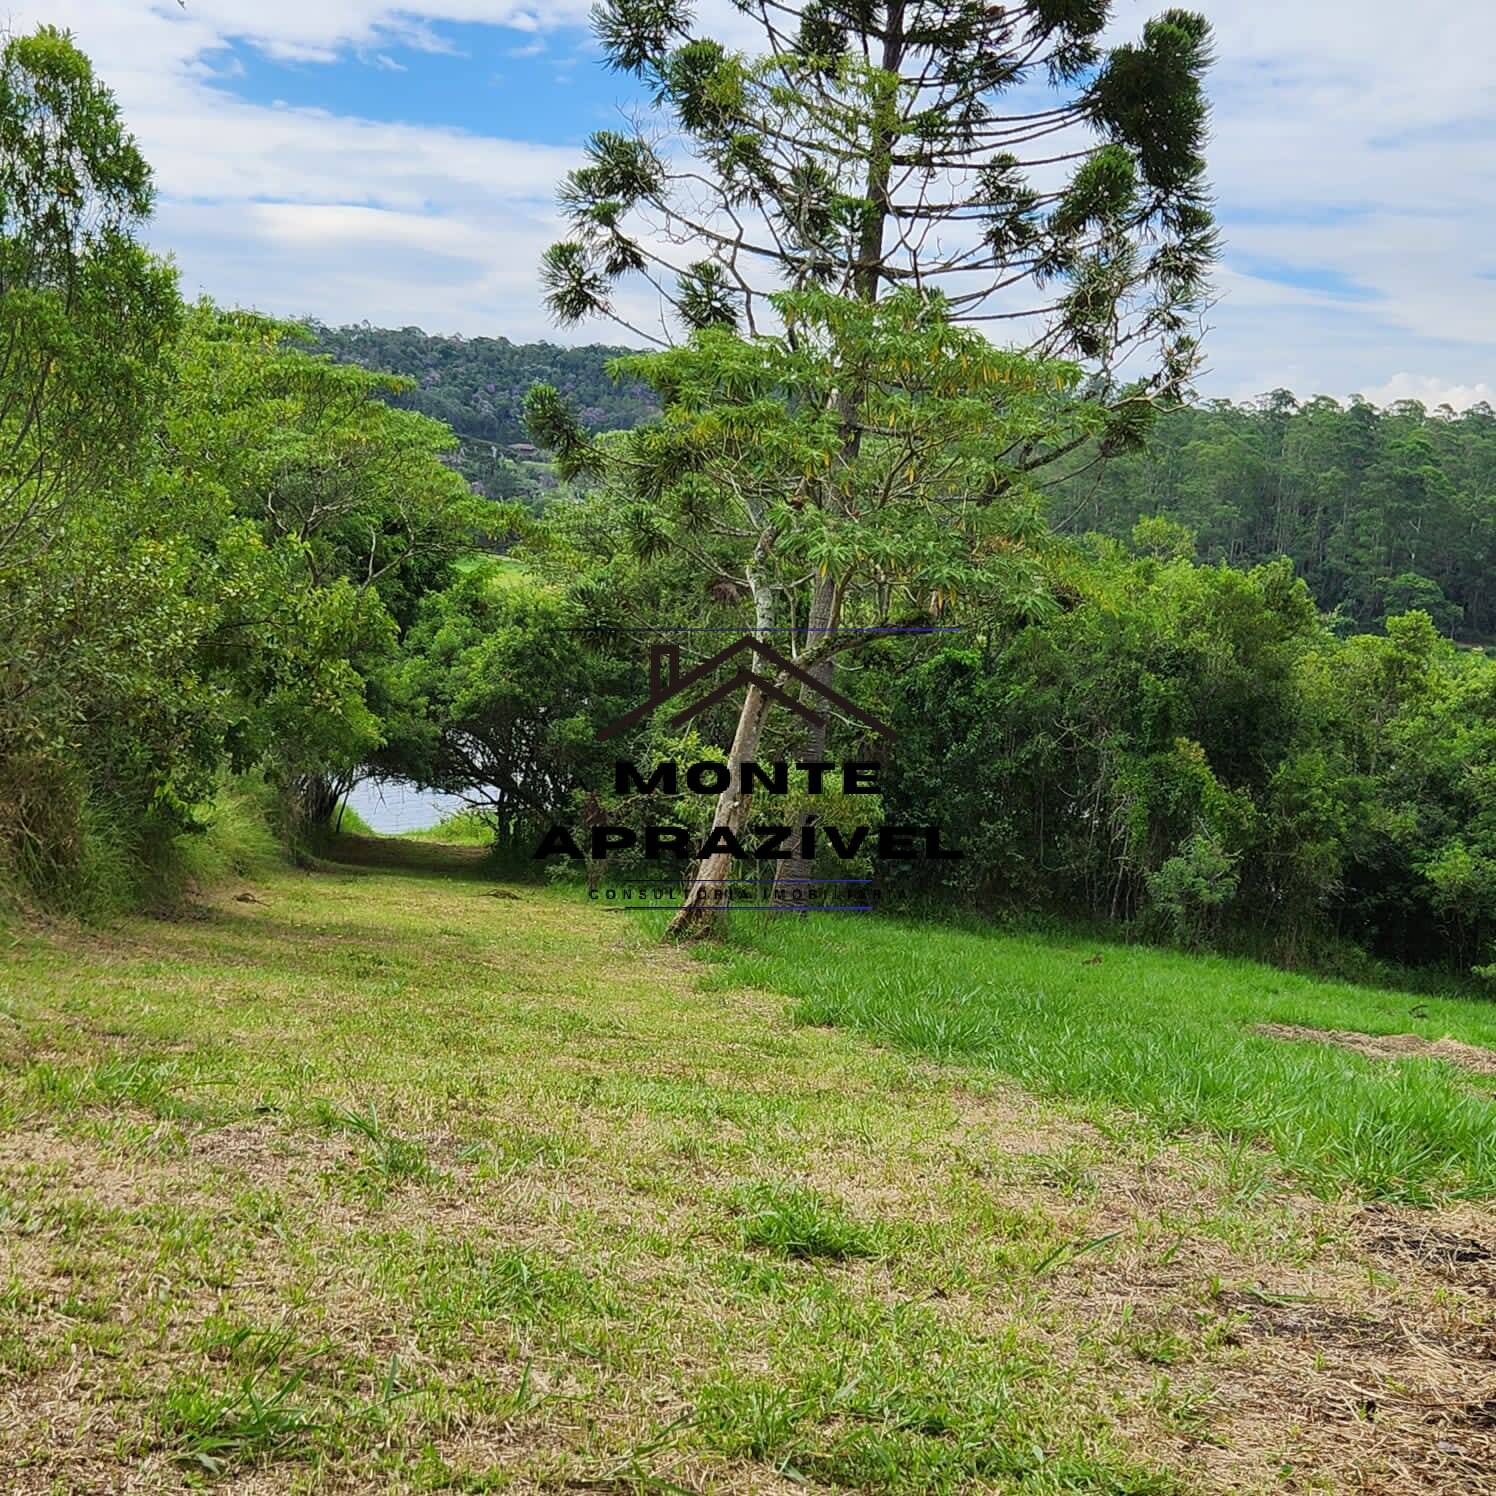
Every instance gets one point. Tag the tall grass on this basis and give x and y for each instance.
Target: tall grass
(348, 822)
(62, 849)
(236, 842)
(463, 828)
(1165, 1035)
(92, 860)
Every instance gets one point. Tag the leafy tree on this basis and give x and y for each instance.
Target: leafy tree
(1133, 724)
(360, 516)
(209, 541)
(872, 148)
(1408, 592)
(86, 319)
(872, 155)
(1192, 748)
(1381, 511)
(87, 312)
(922, 511)
(495, 698)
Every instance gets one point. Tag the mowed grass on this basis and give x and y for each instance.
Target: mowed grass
(1168, 1035)
(383, 1177)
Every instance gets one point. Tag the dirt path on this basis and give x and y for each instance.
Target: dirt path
(1469, 1057)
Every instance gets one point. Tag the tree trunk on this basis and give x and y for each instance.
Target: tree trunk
(705, 900)
(793, 873)
(315, 800)
(701, 912)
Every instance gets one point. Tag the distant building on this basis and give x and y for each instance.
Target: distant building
(524, 449)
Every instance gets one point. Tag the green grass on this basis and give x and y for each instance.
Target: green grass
(1166, 1035)
(374, 1181)
(797, 1222)
(255, 1417)
(350, 823)
(115, 865)
(463, 828)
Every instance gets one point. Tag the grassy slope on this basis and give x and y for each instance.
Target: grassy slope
(369, 1179)
(1166, 1034)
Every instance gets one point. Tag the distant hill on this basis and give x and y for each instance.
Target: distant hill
(477, 386)
(1380, 510)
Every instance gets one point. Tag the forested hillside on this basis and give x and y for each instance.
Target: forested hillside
(477, 386)
(1380, 510)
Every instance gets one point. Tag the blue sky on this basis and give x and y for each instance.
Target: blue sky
(358, 160)
(488, 80)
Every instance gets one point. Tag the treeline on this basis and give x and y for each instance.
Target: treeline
(1192, 750)
(1379, 510)
(228, 561)
(210, 540)
(1188, 751)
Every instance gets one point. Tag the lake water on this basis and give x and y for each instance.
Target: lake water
(396, 805)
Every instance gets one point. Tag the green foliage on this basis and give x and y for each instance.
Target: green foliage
(1192, 885)
(842, 122)
(870, 461)
(209, 539)
(236, 575)
(796, 1222)
(1192, 746)
(1381, 511)
(86, 317)
(477, 386)
(87, 313)
(498, 693)
(754, 443)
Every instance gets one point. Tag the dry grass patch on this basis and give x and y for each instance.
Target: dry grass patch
(1470, 1057)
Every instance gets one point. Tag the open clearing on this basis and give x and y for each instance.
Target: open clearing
(366, 1179)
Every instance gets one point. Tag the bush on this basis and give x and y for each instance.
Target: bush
(1190, 889)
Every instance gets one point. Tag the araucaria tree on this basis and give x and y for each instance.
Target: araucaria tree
(969, 163)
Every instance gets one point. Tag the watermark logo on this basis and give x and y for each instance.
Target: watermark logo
(667, 681)
(866, 852)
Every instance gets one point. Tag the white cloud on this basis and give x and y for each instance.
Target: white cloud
(1351, 155)
(1431, 391)
(1353, 137)
(301, 211)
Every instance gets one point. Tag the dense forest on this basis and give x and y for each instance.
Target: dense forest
(477, 387)
(1379, 510)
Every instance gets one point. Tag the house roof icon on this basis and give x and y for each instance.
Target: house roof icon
(667, 681)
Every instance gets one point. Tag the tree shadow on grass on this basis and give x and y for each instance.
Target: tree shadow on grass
(402, 854)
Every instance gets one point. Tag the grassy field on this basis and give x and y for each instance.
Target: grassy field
(1172, 1037)
(383, 1177)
